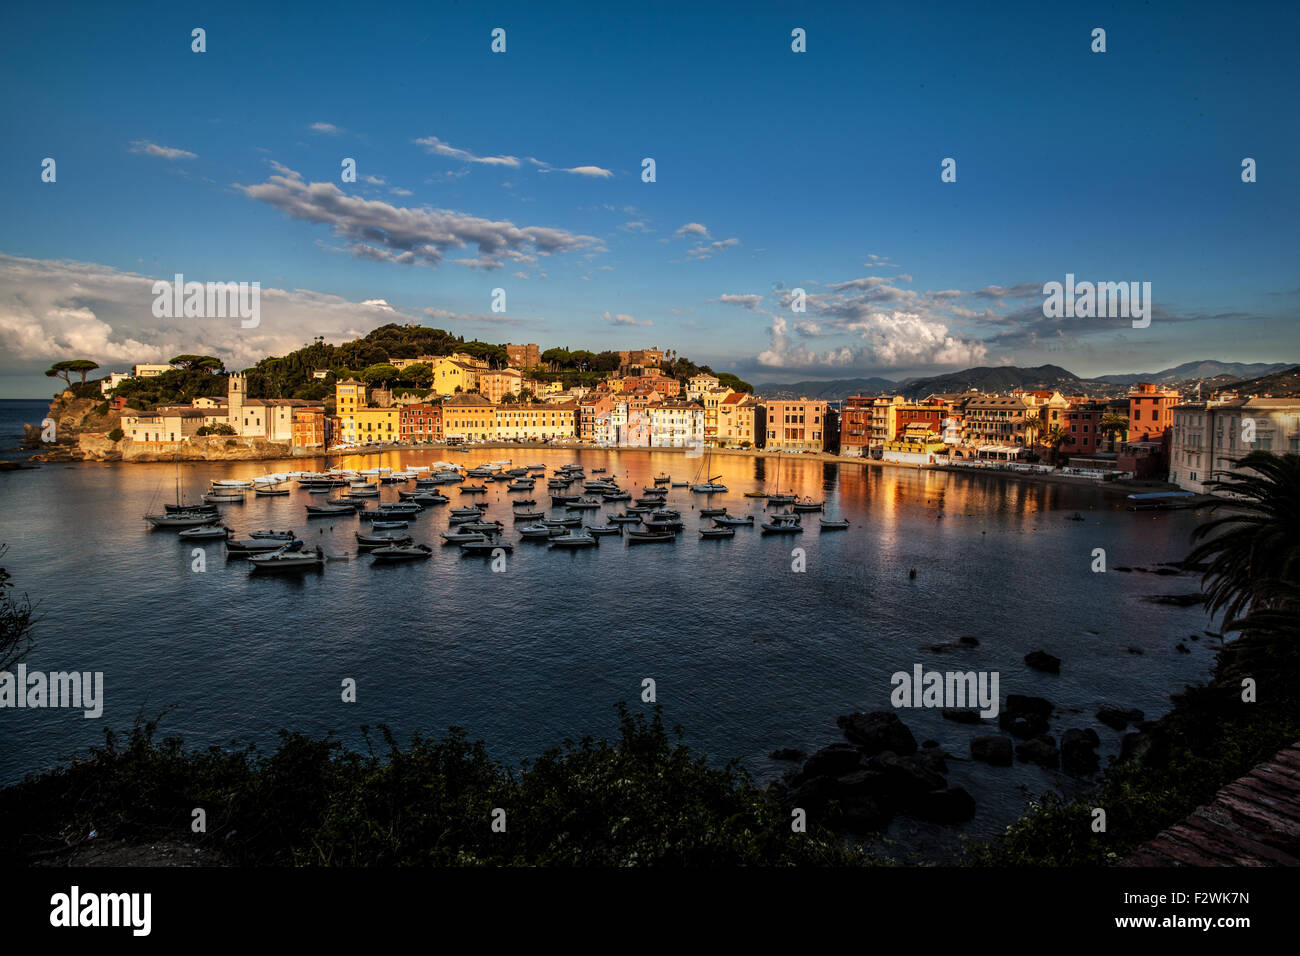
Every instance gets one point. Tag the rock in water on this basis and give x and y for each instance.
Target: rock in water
(992, 750)
(1079, 751)
(1043, 661)
(877, 732)
(1040, 750)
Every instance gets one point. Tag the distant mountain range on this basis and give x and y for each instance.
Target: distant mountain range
(1004, 378)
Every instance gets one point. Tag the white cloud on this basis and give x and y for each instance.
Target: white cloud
(707, 251)
(623, 318)
(147, 148)
(327, 128)
(437, 147)
(694, 230)
(383, 232)
(749, 301)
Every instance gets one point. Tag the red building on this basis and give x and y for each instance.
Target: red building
(855, 425)
(930, 414)
(420, 423)
(1083, 422)
(1151, 413)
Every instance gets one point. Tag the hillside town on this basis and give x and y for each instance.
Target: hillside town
(1154, 432)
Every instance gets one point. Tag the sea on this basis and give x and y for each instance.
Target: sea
(752, 643)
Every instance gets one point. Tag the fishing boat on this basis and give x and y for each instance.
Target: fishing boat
(712, 512)
(718, 533)
(650, 537)
(710, 487)
(353, 504)
(652, 490)
(481, 471)
(1161, 501)
(488, 548)
(573, 522)
(330, 511)
(539, 532)
(583, 504)
(430, 499)
(524, 502)
(560, 500)
(782, 524)
(833, 524)
(473, 489)
(641, 509)
(402, 552)
(286, 560)
(204, 532)
(520, 485)
(400, 507)
(380, 540)
(529, 515)
(606, 530)
(756, 494)
(662, 479)
(575, 539)
(248, 546)
(231, 483)
(190, 509)
(662, 525)
(536, 467)
(224, 497)
(681, 484)
(625, 519)
(462, 537)
(482, 527)
(389, 525)
(666, 514)
(617, 495)
(731, 521)
(448, 477)
(650, 501)
(781, 499)
(598, 471)
(364, 486)
(182, 519)
(277, 535)
(270, 492)
(807, 504)
(598, 484)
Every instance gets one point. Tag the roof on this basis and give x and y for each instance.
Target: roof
(467, 399)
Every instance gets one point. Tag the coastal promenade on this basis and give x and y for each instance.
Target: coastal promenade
(1253, 821)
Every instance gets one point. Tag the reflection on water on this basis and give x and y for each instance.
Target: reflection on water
(748, 655)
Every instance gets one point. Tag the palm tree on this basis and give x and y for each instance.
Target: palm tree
(1033, 425)
(1254, 550)
(1110, 425)
(1057, 436)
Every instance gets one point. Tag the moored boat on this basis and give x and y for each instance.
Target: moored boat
(402, 552)
(718, 533)
(575, 539)
(650, 537)
(731, 521)
(204, 532)
(833, 524)
(286, 560)
(324, 511)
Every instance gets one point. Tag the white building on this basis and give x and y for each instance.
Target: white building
(1208, 437)
(676, 425)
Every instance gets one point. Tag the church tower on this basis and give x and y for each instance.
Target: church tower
(236, 385)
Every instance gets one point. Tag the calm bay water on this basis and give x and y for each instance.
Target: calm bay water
(747, 655)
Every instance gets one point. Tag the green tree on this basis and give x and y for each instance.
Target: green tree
(61, 370)
(1057, 436)
(1254, 549)
(1112, 425)
(381, 372)
(1033, 425)
(194, 363)
(420, 374)
(17, 620)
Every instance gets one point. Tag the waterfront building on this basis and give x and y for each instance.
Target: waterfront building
(697, 385)
(420, 423)
(551, 422)
(798, 425)
(993, 426)
(149, 371)
(855, 425)
(467, 417)
(917, 443)
(1151, 413)
(1208, 437)
(740, 421)
(676, 425)
(1083, 421)
(166, 425)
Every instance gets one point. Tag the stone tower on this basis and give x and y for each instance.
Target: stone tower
(236, 386)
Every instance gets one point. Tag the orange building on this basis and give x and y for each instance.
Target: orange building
(1151, 413)
(798, 425)
(420, 422)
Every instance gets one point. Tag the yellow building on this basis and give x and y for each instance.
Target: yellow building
(450, 374)
(358, 422)
(736, 421)
(712, 400)
(494, 386)
(535, 422)
(469, 417)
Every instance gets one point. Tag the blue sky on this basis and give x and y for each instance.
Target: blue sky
(775, 170)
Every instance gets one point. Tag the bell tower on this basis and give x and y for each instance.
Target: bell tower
(236, 385)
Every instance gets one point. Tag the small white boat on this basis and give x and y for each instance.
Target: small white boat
(575, 539)
(224, 497)
(286, 560)
(461, 537)
(204, 532)
(381, 540)
(833, 524)
(402, 552)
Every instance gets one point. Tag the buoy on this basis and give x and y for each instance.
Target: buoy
(912, 573)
